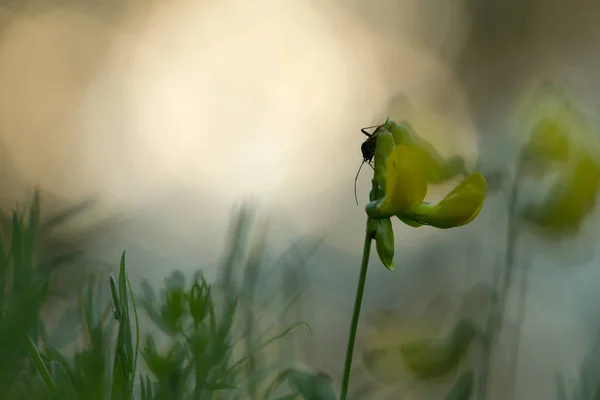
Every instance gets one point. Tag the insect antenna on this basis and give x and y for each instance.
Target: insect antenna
(356, 179)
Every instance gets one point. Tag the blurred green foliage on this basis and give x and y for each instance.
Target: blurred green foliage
(201, 359)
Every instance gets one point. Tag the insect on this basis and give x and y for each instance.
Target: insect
(368, 151)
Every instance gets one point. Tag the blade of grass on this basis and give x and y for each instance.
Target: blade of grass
(137, 338)
(125, 357)
(34, 355)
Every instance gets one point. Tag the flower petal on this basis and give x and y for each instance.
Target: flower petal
(554, 124)
(439, 169)
(385, 145)
(563, 140)
(548, 141)
(406, 182)
(571, 201)
(458, 208)
(402, 132)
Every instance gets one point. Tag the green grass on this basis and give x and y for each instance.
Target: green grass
(204, 355)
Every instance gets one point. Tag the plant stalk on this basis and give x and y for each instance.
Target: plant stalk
(502, 284)
(360, 289)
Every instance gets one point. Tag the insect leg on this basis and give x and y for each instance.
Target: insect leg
(364, 130)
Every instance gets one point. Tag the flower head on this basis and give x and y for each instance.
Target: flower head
(403, 169)
(559, 140)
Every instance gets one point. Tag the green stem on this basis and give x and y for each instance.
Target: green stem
(502, 284)
(356, 314)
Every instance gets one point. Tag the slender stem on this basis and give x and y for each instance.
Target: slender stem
(360, 289)
(502, 284)
(520, 321)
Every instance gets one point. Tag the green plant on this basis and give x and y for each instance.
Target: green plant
(89, 372)
(403, 168)
(200, 360)
(26, 271)
(200, 363)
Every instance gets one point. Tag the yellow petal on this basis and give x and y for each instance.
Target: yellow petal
(431, 358)
(554, 124)
(406, 182)
(440, 169)
(561, 132)
(458, 208)
(549, 141)
(572, 201)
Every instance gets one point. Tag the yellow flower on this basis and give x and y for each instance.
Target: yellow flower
(560, 140)
(402, 170)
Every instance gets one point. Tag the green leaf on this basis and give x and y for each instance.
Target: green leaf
(146, 387)
(173, 309)
(384, 242)
(125, 355)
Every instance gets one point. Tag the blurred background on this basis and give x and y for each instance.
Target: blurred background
(172, 114)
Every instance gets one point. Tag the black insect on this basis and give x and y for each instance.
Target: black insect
(368, 151)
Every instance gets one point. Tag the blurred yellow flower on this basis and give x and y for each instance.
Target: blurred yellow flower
(405, 344)
(560, 139)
